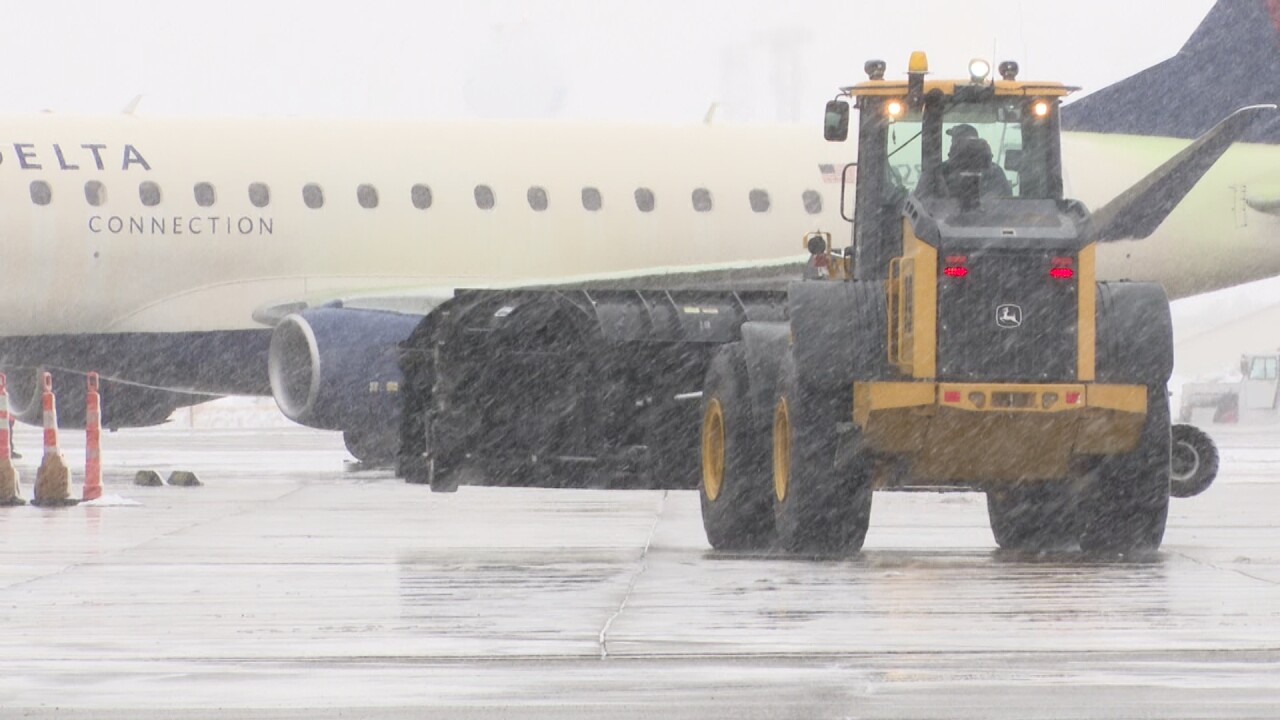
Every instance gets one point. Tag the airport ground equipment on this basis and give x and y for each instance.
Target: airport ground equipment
(1251, 398)
(961, 341)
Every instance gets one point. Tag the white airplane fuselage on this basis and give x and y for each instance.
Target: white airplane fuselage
(173, 266)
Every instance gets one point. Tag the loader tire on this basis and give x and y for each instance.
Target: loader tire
(1036, 518)
(737, 512)
(1129, 502)
(819, 508)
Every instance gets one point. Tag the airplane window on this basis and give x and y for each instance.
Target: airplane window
(759, 201)
(538, 198)
(312, 196)
(41, 193)
(149, 193)
(421, 196)
(367, 195)
(702, 200)
(644, 199)
(484, 197)
(95, 193)
(591, 199)
(812, 202)
(259, 194)
(205, 195)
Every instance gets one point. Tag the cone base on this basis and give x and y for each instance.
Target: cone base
(53, 482)
(65, 502)
(10, 489)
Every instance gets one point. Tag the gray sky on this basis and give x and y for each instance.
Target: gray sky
(642, 60)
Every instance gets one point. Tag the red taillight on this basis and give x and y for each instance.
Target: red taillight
(1064, 273)
(951, 396)
(1073, 398)
(955, 271)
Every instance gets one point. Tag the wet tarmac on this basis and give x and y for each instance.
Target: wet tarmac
(294, 586)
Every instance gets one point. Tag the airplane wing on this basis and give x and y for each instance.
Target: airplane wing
(405, 301)
(769, 275)
(1138, 211)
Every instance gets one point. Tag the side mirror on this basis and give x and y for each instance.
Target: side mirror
(1013, 160)
(835, 126)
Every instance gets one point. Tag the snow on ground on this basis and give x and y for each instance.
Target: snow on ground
(111, 501)
(231, 413)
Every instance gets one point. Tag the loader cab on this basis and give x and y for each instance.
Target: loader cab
(966, 142)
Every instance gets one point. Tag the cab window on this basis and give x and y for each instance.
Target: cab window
(1264, 368)
(999, 141)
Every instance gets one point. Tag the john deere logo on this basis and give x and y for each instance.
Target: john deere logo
(1009, 316)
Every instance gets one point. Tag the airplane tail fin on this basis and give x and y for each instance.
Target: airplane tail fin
(1228, 63)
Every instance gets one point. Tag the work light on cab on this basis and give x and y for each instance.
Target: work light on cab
(979, 71)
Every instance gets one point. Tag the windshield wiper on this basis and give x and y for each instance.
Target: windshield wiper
(908, 142)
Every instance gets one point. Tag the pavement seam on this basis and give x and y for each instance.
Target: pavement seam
(643, 564)
(1215, 566)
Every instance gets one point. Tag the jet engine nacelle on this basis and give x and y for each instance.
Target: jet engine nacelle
(337, 369)
(123, 405)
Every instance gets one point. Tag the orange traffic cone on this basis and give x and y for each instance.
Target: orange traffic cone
(92, 436)
(9, 488)
(53, 479)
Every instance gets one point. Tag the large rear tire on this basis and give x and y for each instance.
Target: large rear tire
(819, 508)
(1036, 518)
(736, 509)
(1129, 502)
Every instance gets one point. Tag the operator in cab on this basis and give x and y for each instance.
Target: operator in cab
(968, 154)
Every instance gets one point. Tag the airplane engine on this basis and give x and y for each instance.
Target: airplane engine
(336, 369)
(123, 405)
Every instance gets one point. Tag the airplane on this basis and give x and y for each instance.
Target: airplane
(190, 259)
